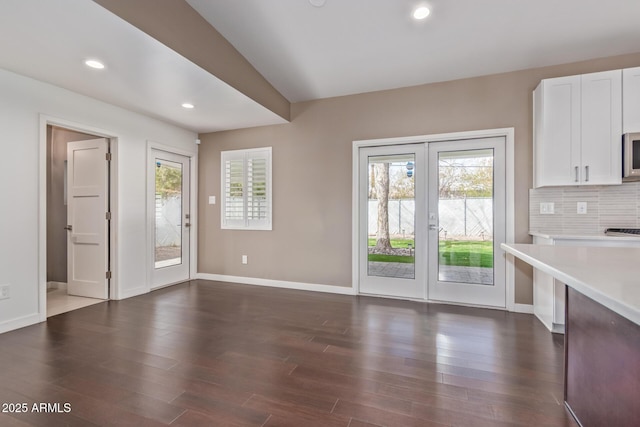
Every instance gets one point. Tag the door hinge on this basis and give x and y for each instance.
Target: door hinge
(108, 275)
(108, 216)
(108, 157)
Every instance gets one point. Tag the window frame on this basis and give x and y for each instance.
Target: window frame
(246, 222)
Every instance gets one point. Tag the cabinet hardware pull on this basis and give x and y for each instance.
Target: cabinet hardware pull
(576, 174)
(586, 172)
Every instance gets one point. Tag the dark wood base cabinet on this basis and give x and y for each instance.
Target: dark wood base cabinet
(602, 364)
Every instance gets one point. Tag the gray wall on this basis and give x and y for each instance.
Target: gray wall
(311, 237)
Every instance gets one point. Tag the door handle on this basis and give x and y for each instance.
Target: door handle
(68, 228)
(586, 171)
(187, 225)
(576, 174)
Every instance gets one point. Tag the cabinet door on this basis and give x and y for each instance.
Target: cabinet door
(557, 132)
(601, 128)
(631, 100)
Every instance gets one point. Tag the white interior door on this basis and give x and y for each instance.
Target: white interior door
(392, 197)
(169, 201)
(467, 221)
(87, 190)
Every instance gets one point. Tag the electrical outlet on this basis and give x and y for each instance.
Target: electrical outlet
(581, 208)
(4, 292)
(547, 208)
(244, 259)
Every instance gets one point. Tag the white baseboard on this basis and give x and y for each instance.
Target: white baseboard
(523, 308)
(278, 284)
(132, 293)
(20, 322)
(56, 285)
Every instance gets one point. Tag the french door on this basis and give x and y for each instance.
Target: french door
(392, 209)
(432, 217)
(171, 218)
(467, 222)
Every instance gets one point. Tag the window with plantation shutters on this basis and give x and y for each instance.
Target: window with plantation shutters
(246, 189)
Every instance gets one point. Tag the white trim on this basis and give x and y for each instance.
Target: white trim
(474, 134)
(523, 308)
(114, 289)
(192, 155)
(510, 275)
(56, 285)
(140, 290)
(507, 133)
(355, 215)
(171, 149)
(42, 205)
(341, 290)
(20, 322)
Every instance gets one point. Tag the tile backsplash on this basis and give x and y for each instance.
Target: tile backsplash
(607, 206)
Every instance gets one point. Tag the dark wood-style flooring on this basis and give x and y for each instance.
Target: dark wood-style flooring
(214, 354)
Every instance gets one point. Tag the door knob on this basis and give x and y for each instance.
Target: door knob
(68, 227)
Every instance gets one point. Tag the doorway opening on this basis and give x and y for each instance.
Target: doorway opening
(77, 219)
(430, 215)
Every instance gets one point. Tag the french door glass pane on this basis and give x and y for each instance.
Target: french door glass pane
(391, 216)
(465, 212)
(168, 213)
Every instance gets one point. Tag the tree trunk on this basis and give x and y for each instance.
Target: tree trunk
(372, 181)
(382, 191)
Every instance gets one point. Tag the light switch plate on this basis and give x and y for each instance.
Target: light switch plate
(547, 208)
(212, 200)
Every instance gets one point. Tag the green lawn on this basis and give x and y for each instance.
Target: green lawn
(391, 258)
(466, 253)
(395, 243)
(452, 252)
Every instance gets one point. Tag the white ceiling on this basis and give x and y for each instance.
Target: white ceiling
(306, 52)
(50, 40)
(355, 46)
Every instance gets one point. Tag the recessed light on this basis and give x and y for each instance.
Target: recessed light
(94, 64)
(421, 12)
(317, 3)
(188, 106)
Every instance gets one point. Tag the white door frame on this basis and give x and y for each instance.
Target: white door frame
(42, 205)
(193, 208)
(507, 133)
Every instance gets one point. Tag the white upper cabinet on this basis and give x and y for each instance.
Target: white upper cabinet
(578, 129)
(601, 128)
(556, 133)
(631, 100)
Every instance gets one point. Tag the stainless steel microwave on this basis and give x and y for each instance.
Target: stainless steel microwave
(631, 157)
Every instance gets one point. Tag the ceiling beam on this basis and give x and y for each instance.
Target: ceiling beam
(178, 26)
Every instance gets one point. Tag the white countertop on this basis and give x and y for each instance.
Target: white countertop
(568, 236)
(608, 275)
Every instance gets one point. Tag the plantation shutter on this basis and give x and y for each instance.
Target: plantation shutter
(246, 189)
(233, 191)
